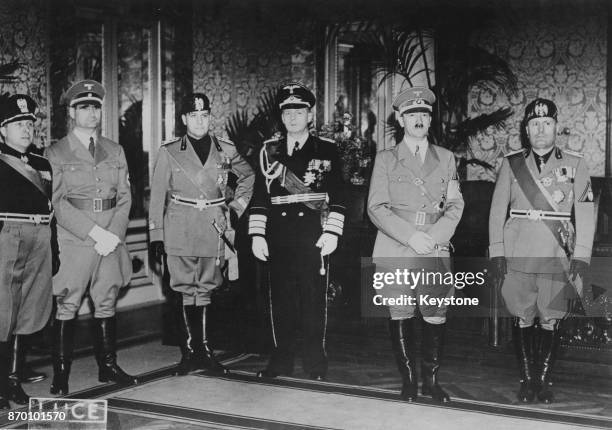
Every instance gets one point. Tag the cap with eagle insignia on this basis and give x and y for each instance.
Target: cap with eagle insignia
(415, 99)
(16, 108)
(195, 102)
(295, 96)
(540, 108)
(86, 91)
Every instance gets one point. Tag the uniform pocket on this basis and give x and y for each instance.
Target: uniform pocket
(76, 175)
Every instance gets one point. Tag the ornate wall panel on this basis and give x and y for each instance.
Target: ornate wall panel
(559, 55)
(23, 37)
(238, 55)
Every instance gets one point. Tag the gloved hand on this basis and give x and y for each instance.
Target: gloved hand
(499, 269)
(421, 242)
(328, 243)
(577, 267)
(106, 242)
(157, 251)
(260, 248)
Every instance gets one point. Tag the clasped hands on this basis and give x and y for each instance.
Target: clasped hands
(422, 243)
(106, 242)
(327, 242)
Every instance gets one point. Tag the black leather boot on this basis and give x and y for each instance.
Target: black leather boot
(15, 391)
(186, 364)
(403, 341)
(547, 354)
(63, 340)
(109, 370)
(204, 357)
(433, 338)
(4, 382)
(523, 345)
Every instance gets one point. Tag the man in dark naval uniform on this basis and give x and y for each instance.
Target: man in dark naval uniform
(296, 218)
(92, 200)
(189, 218)
(28, 247)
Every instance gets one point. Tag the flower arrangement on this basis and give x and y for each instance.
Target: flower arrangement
(352, 149)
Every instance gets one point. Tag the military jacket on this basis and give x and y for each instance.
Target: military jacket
(78, 175)
(317, 166)
(566, 178)
(401, 187)
(186, 230)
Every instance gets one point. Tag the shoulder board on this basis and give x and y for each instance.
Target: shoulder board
(518, 151)
(168, 142)
(327, 139)
(226, 141)
(274, 139)
(574, 153)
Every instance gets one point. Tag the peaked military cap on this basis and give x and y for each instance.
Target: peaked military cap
(86, 91)
(540, 108)
(194, 103)
(16, 108)
(415, 99)
(295, 96)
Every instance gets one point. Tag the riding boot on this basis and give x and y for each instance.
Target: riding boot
(523, 344)
(186, 364)
(109, 370)
(204, 355)
(63, 338)
(16, 393)
(548, 348)
(433, 338)
(403, 342)
(26, 373)
(4, 381)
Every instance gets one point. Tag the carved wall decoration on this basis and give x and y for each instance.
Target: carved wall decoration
(23, 37)
(561, 56)
(236, 58)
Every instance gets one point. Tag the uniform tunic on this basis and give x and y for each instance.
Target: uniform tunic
(298, 293)
(407, 196)
(79, 176)
(537, 264)
(190, 239)
(25, 248)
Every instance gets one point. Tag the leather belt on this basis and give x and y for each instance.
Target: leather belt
(538, 215)
(199, 204)
(28, 218)
(298, 198)
(418, 217)
(94, 205)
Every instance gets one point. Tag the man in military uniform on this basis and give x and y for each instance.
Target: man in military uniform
(28, 245)
(536, 251)
(188, 219)
(92, 199)
(295, 221)
(416, 203)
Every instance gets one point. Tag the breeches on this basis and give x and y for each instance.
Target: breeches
(194, 277)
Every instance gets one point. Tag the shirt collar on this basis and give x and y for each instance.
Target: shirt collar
(301, 141)
(84, 136)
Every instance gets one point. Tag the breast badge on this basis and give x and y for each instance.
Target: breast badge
(558, 196)
(547, 181)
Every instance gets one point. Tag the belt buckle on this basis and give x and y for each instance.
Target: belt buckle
(97, 205)
(201, 204)
(534, 215)
(37, 219)
(420, 218)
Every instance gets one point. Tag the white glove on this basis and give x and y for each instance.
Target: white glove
(328, 243)
(102, 250)
(106, 242)
(422, 243)
(260, 248)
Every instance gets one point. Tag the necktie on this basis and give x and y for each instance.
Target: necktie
(92, 147)
(416, 154)
(295, 148)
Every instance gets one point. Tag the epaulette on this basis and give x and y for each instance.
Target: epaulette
(327, 139)
(574, 153)
(518, 151)
(173, 140)
(227, 141)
